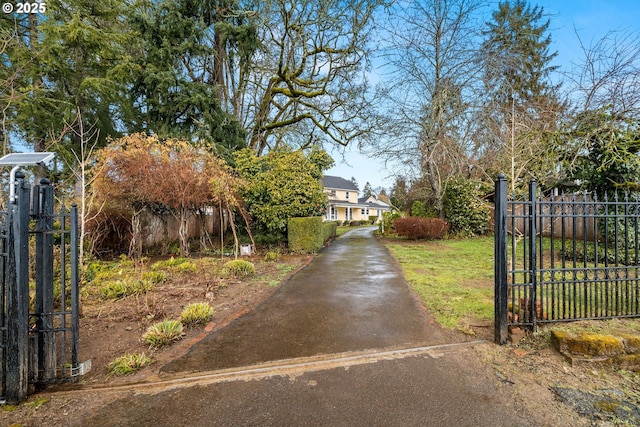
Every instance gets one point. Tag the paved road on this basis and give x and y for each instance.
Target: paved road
(311, 355)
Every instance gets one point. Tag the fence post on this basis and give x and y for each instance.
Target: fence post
(17, 285)
(501, 259)
(75, 278)
(533, 261)
(43, 211)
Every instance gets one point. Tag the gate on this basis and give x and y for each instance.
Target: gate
(39, 328)
(564, 258)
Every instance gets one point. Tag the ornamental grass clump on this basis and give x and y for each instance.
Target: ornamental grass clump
(124, 288)
(238, 268)
(163, 333)
(197, 313)
(129, 363)
(155, 277)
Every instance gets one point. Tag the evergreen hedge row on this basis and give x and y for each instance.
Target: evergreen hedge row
(308, 235)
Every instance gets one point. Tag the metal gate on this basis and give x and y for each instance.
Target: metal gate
(39, 304)
(564, 258)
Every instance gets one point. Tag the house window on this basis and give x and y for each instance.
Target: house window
(362, 211)
(347, 195)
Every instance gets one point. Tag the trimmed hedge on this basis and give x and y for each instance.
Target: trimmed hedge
(305, 234)
(329, 230)
(421, 228)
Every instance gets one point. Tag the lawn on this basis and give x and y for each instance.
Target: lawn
(454, 278)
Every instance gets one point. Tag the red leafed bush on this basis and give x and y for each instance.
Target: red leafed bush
(421, 228)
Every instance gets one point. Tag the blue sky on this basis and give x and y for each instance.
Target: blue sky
(590, 19)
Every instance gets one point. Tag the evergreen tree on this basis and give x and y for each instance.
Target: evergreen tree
(367, 191)
(515, 52)
(521, 108)
(178, 85)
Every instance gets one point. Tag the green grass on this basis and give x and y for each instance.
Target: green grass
(454, 278)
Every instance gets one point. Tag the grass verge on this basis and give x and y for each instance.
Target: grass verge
(454, 278)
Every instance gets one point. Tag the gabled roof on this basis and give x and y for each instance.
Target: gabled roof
(338, 183)
(372, 201)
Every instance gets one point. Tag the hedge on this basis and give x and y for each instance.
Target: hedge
(307, 235)
(421, 228)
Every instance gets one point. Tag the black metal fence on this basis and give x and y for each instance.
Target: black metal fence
(564, 258)
(38, 292)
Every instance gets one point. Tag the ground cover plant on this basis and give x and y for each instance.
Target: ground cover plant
(163, 333)
(129, 363)
(196, 314)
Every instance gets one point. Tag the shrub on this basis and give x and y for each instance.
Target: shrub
(129, 363)
(123, 288)
(468, 214)
(163, 333)
(355, 223)
(272, 239)
(418, 209)
(421, 228)
(238, 268)
(373, 219)
(388, 219)
(271, 256)
(196, 314)
(305, 234)
(329, 230)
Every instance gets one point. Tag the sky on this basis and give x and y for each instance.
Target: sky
(590, 19)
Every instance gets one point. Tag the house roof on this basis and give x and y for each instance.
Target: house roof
(338, 183)
(372, 200)
(371, 205)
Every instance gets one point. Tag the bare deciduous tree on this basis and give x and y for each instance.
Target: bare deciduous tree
(430, 51)
(307, 83)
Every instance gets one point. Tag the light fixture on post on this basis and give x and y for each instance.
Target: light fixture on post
(18, 160)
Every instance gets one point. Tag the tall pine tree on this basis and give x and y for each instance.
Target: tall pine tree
(521, 107)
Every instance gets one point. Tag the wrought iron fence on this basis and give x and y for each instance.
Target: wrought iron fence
(564, 258)
(38, 293)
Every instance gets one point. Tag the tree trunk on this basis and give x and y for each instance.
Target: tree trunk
(183, 231)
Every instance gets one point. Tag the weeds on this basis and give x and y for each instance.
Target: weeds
(155, 277)
(271, 256)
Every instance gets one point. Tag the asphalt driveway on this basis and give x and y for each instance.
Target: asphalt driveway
(351, 297)
(342, 343)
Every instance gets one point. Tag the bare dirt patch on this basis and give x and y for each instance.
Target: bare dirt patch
(558, 392)
(112, 328)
